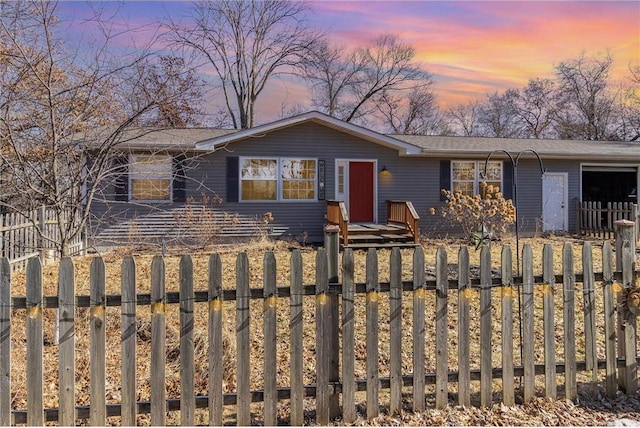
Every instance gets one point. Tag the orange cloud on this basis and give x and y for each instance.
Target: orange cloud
(480, 47)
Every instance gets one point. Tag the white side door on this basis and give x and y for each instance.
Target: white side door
(555, 201)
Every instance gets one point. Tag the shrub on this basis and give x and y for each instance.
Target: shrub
(486, 211)
(200, 223)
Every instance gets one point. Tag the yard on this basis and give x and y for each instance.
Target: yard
(592, 408)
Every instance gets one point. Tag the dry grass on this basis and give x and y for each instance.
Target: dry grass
(597, 410)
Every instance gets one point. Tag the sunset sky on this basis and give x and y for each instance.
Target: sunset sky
(471, 47)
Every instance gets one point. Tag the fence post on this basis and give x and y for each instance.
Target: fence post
(35, 337)
(624, 232)
(128, 342)
(297, 349)
(158, 398)
(332, 245)
(442, 327)
(187, 321)
(270, 304)
(372, 372)
(348, 339)
(323, 342)
(97, 344)
(5, 342)
(66, 361)
(629, 320)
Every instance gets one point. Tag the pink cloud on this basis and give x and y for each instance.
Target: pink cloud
(472, 47)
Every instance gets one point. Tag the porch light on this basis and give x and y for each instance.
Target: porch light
(384, 172)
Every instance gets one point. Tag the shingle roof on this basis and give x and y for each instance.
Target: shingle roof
(425, 145)
(185, 138)
(472, 146)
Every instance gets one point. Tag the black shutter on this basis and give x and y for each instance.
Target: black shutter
(321, 180)
(445, 178)
(121, 180)
(507, 180)
(179, 179)
(233, 178)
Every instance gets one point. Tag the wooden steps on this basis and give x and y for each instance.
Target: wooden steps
(367, 245)
(370, 235)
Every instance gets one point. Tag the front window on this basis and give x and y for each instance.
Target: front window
(150, 177)
(272, 179)
(259, 179)
(466, 176)
(298, 178)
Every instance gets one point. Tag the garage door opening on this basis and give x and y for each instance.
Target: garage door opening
(609, 184)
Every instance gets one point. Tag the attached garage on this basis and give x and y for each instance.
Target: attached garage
(609, 184)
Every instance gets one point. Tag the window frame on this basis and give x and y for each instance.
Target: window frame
(279, 179)
(478, 165)
(134, 176)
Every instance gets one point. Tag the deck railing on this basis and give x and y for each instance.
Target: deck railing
(337, 215)
(403, 212)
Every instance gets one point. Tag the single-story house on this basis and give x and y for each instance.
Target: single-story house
(295, 168)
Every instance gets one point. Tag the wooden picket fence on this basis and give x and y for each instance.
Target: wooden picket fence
(20, 240)
(598, 219)
(336, 388)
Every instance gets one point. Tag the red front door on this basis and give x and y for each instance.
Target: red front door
(361, 192)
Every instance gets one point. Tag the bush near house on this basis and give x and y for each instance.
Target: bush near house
(487, 211)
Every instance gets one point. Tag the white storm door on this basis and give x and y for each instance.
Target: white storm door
(554, 202)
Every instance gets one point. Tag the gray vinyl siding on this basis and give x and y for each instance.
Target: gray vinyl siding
(414, 178)
(410, 178)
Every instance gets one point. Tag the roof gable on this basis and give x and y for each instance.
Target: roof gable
(314, 117)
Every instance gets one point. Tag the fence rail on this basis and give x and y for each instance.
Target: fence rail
(598, 219)
(337, 311)
(21, 240)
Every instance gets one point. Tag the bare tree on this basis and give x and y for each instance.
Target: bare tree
(332, 72)
(585, 101)
(349, 84)
(416, 113)
(247, 43)
(497, 116)
(634, 103)
(536, 108)
(463, 119)
(63, 113)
